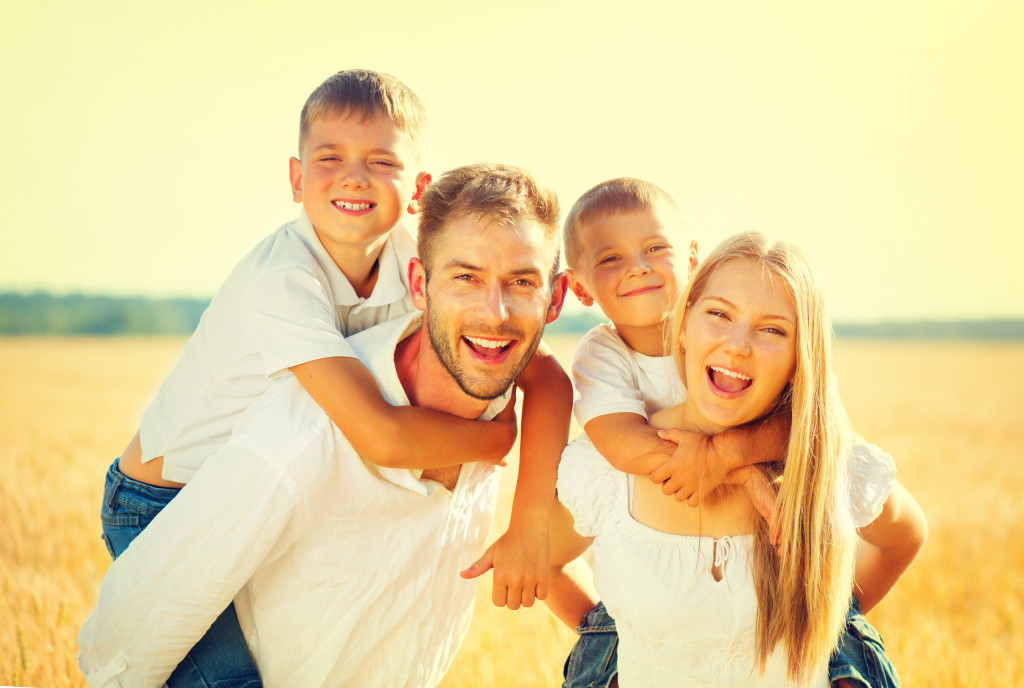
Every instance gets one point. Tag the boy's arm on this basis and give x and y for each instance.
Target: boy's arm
(629, 444)
(758, 442)
(520, 557)
(888, 546)
(347, 391)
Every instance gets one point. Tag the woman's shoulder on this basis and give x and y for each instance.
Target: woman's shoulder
(588, 486)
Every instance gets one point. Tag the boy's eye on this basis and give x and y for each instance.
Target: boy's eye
(658, 247)
(607, 259)
(384, 163)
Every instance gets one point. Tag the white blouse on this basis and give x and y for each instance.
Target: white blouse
(678, 625)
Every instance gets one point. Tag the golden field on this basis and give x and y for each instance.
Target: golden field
(950, 413)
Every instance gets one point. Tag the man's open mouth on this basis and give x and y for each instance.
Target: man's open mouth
(488, 348)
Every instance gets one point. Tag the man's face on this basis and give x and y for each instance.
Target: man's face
(488, 297)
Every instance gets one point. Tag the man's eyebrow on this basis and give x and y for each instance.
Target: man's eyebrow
(766, 316)
(456, 264)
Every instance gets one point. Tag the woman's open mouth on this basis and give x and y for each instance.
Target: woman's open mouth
(727, 382)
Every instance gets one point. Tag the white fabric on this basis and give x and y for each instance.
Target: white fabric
(677, 625)
(285, 303)
(610, 377)
(345, 573)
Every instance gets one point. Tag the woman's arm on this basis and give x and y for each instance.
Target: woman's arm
(888, 546)
(570, 589)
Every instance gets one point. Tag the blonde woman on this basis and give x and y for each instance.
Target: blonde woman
(707, 596)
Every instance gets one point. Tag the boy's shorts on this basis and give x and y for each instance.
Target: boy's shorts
(860, 657)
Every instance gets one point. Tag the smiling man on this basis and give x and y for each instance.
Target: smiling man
(343, 572)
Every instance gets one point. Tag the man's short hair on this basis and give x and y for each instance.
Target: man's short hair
(502, 194)
(614, 197)
(368, 94)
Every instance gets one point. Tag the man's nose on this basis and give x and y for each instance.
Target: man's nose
(493, 310)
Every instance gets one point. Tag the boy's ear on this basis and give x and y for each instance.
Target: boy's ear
(295, 177)
(418, 284)
(559, 291)
(693, 256)
(422, 183)
(578, 289)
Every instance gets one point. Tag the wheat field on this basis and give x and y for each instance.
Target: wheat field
(950, 413)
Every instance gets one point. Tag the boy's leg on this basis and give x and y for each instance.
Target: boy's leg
(593, 660)
(860, 659)
(221, 658)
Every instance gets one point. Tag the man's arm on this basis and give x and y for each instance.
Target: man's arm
(161, 595)
(520, 557)
(347, 391)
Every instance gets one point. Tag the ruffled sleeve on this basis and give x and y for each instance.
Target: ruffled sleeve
(588, 486)
(872, 473)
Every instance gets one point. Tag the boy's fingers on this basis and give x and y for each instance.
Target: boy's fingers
(480, 566)
(499, 595)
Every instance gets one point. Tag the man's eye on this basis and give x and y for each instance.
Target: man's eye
(524, 283)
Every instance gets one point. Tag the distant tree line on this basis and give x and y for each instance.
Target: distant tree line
(44, 313)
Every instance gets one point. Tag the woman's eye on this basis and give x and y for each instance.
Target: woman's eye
(775, 331)
(717, 313)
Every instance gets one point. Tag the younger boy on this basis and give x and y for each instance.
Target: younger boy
(289, 306)
(622, 241)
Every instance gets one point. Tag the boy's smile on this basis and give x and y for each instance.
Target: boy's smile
(356, 179)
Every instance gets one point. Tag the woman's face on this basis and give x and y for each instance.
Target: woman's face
(740, 341)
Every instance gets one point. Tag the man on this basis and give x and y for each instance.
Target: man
(345, 573)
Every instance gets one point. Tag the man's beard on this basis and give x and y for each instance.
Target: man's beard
(442, 345)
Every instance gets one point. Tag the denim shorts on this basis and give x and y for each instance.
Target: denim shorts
(593, 662)
(221, 658)
(860, 657)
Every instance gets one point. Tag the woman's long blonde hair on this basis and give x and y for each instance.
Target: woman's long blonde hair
(802, 594)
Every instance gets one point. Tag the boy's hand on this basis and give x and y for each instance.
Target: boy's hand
(521, 560)
(680, 475)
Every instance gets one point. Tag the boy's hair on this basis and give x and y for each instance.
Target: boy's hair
(502, 194)
(367, 94)
(802, 593)
(613, 197)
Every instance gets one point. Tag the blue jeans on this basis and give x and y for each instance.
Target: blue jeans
(860, 657)
(221, 658)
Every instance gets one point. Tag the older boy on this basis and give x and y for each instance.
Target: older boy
(348, 572)
(289, 306)
(622, 241)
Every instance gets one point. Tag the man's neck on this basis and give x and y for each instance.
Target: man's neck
(427, 383)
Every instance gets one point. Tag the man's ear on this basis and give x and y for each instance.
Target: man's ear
(418, 284)
(578, 289)
(693, 256)
(559, 290)
(295, 177)
(422, 183)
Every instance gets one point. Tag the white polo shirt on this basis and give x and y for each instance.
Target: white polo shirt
(284, 304)
(345, 573)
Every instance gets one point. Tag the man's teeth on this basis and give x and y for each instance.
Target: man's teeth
(489, 343)
(345, 205)
(730, 373)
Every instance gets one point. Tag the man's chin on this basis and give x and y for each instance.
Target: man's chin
(484, 391)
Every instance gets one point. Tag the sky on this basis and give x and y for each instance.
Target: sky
(147, 144)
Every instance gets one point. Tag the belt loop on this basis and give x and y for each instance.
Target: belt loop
(116, 478)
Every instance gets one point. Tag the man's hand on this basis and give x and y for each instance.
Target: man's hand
(521, 560)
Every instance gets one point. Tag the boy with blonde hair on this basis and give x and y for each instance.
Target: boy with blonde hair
(289, 306)
(623, 240)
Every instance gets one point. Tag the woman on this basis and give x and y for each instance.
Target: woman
(700, 596)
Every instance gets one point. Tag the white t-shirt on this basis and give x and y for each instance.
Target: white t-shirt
(285, 303)
(610, 377)
(346, 574)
